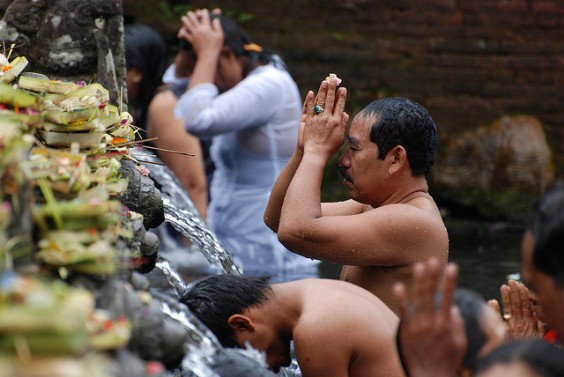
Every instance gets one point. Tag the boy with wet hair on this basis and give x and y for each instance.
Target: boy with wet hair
(338, 329)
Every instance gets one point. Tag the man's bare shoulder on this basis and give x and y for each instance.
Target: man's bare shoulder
(421, 204)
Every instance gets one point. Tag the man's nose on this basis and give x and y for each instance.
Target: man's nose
(343, 160)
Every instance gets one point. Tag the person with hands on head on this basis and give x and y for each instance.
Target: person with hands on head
(245, 100)
(391, 221)
(431, 337)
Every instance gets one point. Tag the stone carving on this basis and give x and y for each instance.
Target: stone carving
(496, 164)
(142, 196)
(71, 40)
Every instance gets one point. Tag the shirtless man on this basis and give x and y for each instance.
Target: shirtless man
(338, 329)
(391, 221)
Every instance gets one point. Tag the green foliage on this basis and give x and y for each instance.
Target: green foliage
(239, 17)
(337, 36)
(244, 17)
(175, 11)
(172, 12)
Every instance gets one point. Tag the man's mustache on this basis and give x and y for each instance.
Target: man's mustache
(343, 172)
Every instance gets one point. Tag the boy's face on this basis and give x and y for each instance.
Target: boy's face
(265, 337)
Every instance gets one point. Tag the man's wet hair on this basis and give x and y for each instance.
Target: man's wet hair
(399, 121)
(546, 224)
(215, 298)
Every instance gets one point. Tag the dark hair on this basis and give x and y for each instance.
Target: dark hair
(240, 43)
(542, 357)
(400, 121)
(546, 224)
(215, 298)
(146, 50)
(471, 307)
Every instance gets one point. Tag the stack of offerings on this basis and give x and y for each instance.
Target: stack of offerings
(48, 328)
(71, 112)
(74, 169)
(64, 142)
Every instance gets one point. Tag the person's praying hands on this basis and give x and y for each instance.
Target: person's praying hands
(518, 313)
(323, 126)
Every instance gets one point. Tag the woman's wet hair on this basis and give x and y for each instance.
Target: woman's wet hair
(399, 121)
(240, 43)
(146, 50)
(543, 358)
(546, 224)
(216, 298)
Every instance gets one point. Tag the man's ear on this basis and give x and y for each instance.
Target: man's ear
(240, 322)
(397, 158)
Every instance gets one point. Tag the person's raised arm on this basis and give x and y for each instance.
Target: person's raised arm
(206, 37)
(431, 336)
(276, 198)
(323, 135)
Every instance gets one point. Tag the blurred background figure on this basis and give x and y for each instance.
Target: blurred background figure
(523, 358)
(177, 76)
(146, 59)
(152, 105)
(484, 328)
(245, 100)
(543, 260)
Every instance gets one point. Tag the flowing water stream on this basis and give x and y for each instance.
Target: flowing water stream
(201, 347)
(181, 213)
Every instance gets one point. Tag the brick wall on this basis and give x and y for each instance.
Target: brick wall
(468, 61)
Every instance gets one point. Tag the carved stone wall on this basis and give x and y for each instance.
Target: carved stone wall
(72, 40)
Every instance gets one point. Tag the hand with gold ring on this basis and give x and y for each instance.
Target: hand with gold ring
(520, 319)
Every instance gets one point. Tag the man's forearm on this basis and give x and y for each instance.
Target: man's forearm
(276, 200)
(302, 203)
